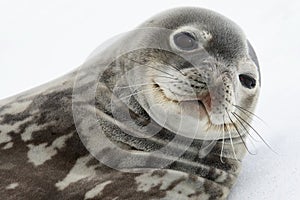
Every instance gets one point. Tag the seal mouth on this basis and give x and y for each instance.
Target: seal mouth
(198, 104)
(202, 109)
(189, 105)
(198, 107)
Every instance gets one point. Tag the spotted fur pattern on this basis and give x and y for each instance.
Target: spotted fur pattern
(42, 156)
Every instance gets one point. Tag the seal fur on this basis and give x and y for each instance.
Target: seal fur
(42, 155)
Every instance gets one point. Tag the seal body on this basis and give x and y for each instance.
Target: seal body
(44, 156)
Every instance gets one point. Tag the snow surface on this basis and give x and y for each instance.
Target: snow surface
(41, 40)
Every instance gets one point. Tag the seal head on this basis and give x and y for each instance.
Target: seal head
(200, 78)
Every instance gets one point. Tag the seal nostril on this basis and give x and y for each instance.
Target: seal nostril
(156, 85)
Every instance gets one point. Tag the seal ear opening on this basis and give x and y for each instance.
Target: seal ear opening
(254, 58)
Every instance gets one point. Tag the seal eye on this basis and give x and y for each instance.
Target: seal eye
(185, 41)
(247, 81)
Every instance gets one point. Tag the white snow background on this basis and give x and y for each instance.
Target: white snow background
(41, 40)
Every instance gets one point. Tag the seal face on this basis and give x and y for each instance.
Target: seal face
(190, 77)
(206, 72)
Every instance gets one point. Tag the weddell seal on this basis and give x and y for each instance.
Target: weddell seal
(160, 112)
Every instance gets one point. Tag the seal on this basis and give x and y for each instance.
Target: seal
(187, 79)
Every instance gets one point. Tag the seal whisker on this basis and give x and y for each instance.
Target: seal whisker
(231, 142)
(147, 90)
(247, 131)
(238, 132)
(143, 84)
(263, 140)
(156, 76)
(169, 64)
(249, 113)
(223, 140)
(164, 77)
(150, 67)
(241, 123)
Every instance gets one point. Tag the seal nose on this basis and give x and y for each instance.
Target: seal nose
(222, 99)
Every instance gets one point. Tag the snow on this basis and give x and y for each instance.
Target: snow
(43, 40)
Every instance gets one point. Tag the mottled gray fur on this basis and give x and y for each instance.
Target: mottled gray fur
(42, 156)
